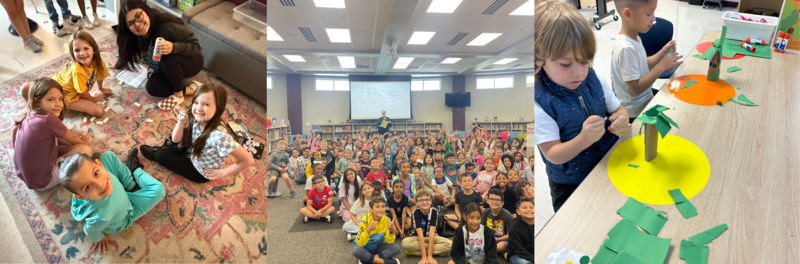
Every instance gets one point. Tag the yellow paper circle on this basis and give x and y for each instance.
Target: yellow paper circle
(680, 164)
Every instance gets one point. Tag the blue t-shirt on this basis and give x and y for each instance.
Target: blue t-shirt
(451, 172)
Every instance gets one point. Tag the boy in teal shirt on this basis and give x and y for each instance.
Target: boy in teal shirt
(106, 194)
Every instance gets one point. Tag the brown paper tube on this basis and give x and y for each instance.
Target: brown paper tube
(650, 142)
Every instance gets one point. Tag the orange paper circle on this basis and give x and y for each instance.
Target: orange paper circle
(704, 92)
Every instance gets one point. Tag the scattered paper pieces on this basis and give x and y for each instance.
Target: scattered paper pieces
(686, 208)
(562, 254)
(137, 104)
(731, 48)
(733, 69)
(741, 103)
(625, 258)
(700, 56)
(738, 88)
(134, 79)
(99, 122)
(105, 120)
(674, 85)
(633, 166)
(744, 99)
(85, 119)
(688, 83)
(107, 108)
(642, 215)
(93, 118)
(709, 235)
(149, 120)
(720, 103)
(694, 254)
(626, 237)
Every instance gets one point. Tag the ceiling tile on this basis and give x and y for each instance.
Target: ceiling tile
(524, 27)
(305, 16)
(359, 46)
(457, 22)
(361, 19)
(361, 36)
(432, 22)
(289, 33)
(509, 7)
(361, 4)
(385, 5)
(300, 45)
(475, 7)
(333, 18)
(441, 38)
(277, 45)
(304, 3)
(278, 17)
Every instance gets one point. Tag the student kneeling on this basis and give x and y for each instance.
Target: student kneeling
(375, 239)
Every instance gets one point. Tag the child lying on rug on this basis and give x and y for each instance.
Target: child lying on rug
(105, 193)
(79, 75)
(40, 137)
(204, 142)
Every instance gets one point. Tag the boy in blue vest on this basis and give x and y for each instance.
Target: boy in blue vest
(578, 118)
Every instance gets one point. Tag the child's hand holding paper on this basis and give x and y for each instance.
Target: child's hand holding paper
(619, 125)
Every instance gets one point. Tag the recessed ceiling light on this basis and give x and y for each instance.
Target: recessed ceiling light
(329, 3)
(295, 58)
(443, 6)
(484, 39)
(338, 35)
(420, 37)
(347, 62)
(451, 60)
(403, 62)
(525, 9)
(504, 61)
(272, 35)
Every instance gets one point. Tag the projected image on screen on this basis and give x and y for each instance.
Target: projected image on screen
(367, 99)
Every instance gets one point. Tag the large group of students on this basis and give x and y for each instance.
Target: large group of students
(400, 184)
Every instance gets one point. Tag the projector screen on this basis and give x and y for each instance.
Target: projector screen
(368, 99)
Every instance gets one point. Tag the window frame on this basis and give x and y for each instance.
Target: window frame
(333, 80)
(424, 80)
(494, 82)
(269, 83)
(530, 80)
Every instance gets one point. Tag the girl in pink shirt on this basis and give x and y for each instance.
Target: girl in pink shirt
(486, 179)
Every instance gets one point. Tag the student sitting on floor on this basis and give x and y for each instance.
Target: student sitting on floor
(486, 179)
(466, 196)
(321, 205)
(399, 206)
(565, 46)
(376, 174)
(80, 74)
(513, 180)
(348, 192)
(473, 242)
(40, 138)
(497, 219)
(443, 190)
(520, 234)
(300, 176)
(509, 196)
(204, 142)
(375, 242)
(105, 193)
(525, 191)
(358, 209)
(425, 242)
(319, 169)
(451, 168)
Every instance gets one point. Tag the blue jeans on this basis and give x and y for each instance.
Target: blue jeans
(65, 13)
(517, 260)
(383, 250)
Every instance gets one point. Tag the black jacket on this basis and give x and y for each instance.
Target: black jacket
(457, 251)
(183, 40)
(520, 239)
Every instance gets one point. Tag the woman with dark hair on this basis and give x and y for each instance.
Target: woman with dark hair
(180, 51)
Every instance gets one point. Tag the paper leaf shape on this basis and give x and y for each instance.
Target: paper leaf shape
(655, 116)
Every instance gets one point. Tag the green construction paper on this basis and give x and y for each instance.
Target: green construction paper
(648, 249)
(663, 126)
(709, 54)
(744, 99)
(670, 50)
(738, 88)
(688, 83)
(693, 254)
(700, 56)
(741, 103)
(733, 69)
(709, 235)
(722, 37)
(604, 254)
(669, 120)
(584, 260)
(732, 48)
(625, 258)
(686, 208)
(720, 103)
(646, 119)
(633, 166)
(642, 215)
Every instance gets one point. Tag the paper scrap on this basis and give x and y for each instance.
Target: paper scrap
(105, 120)
(137, 104)
(646, 248)
(562, 254)
(733, 69)
(134, 79)
(700, 56)
(107, 108)
(604, 254)
(625, 258)
(85, 119)
(99, 122)
(93, 118)
(741, 103)
(709, 235)
(686, 208)
(719, 103)
(633, 166)
(731, 48)
(149, 120)
(688, 83)
(744, 99)
(693, 254)
(738, 88)
(642, 215)
(584, 260)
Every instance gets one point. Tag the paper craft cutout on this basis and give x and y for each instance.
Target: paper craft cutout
(584, 260)
(688, 83)
(703, 47)
(709, 235)
(693, 254)
(699, 56)
(648, 249)
(719, 103)
(633, 166)
(741, 103)
(655, 116)
(703, 92)
(650, 183)
(642, 215)
(686, 208)
(738, 88)
(604, 254)
(625, 258)
(562, 255)
(744, 99)
(733, 69)
(731, 48)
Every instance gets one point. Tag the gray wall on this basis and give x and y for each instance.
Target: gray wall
(319, 106)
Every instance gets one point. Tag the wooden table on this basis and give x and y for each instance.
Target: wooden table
(754, 187)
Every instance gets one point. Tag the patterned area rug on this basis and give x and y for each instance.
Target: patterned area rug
(216, 222)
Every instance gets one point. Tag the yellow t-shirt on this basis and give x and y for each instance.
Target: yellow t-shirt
(77, 79)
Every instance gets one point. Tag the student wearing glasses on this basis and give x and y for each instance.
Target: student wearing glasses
(181, 55)
(320, 200)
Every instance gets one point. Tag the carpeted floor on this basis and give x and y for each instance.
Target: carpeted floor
(316, 242)
(220, 221)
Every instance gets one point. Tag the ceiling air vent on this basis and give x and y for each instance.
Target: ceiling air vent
(307, 33)
(287, 2)
(493, 8)
(431, 60)
(488, 68)
(457, 38)
(325, 59)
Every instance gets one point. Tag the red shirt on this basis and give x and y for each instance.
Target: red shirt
(319, 199)
(371, 177)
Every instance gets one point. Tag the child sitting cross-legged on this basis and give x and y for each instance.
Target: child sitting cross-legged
(425, 242)
(473, 242)
(443, 190)
(375, 239)
(321, 201)
(466, 196)
(358, 209)
(497, 219)
(399, 205)
(108, 194)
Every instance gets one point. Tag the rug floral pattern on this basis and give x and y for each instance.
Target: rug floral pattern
(216, 222)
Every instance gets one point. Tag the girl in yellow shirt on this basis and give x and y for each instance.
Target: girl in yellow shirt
(79, 75)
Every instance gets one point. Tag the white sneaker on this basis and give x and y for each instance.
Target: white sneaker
(96, 22)
(339, 213)
(350, 237)
(329, 218)
(305, 219)
(36, 40)
(86, 23)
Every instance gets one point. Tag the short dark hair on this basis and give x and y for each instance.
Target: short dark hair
(375, 200)
(316, 178)
(449, 155)
(398, 180)
(438, 143)
(465, 175)
(520, 189)
(632, 4)
(521, 201)
(495, 191)
(69, 166)
(469, 164)
(501, 173)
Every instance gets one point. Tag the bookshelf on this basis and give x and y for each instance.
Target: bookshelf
(275, 134)
(503, 126)
(334, 131)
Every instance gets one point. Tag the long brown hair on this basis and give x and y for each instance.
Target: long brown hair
(36, 93)
(97, 61)
(221, 99)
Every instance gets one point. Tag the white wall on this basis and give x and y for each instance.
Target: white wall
(506, 104)
(276, 98)
(319, 106)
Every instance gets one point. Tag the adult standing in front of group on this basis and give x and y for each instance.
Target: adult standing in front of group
(180, 51)
(384, 124)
